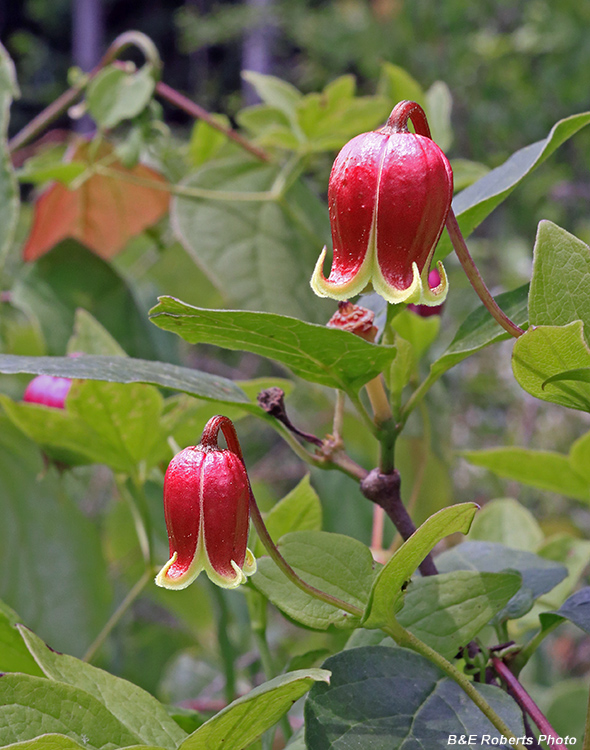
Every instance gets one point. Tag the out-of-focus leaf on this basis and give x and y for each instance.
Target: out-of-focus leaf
(561, 279)
(9, 194)
(259, 253)
(90, 337)
(508, 522)
(387, 591)
(103, 213)
(115, 95)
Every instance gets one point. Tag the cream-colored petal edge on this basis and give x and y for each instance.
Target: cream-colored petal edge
(324, 288)
(436, 296)
(181, 582)
(412, 293)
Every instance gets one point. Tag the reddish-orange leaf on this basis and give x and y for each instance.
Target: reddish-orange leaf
(103, 214)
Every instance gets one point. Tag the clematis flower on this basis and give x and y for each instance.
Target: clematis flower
(389, 195)
(425, 311)
(48, 390)
(207, 511)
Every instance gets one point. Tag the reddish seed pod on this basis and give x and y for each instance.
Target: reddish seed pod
(389, 195)
(207, 512)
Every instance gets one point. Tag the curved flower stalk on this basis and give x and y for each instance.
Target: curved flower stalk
(389, 195)
(207, 510)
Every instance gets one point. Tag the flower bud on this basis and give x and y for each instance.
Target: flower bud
(48, 390)
(424, 311)
(389, 195)
(207, 511)
(354, 318)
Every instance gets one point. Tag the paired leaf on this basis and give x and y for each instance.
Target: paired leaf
(336, 564)
(138, 711)
(393, 698)
(328, 356)
(448, 610)
(240, 723)
(546, 470)
(387, 592)
(548, 351)
(538, 574)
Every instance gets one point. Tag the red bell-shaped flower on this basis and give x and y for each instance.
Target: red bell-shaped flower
(48, 390)
(389, 195)
(207, 511)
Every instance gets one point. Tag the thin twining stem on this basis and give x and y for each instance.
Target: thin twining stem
(475, 278)
(524, 700)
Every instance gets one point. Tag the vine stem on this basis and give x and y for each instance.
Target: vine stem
(475, 278)
(523, 699)
(115, 618)
(406, 639)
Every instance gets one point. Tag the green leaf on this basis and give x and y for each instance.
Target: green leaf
(332, 117)
(9, 192)
(248, 717)
(259, 253)
(300, 510)
(137, 710)
(448, 610)
(391, 699)
(576, 609)
(328, 356)
(546, 470)
(275, 92)
(479, 330)
(206, 141)
(439, 103)
(58, 578)
(127, 370)
(90, 337)
(115, 95)
(69, 277)
(575, 555)
(64, 172)
(476, 202)
(14, 656)
(561, 279)
(334, 563)
(30, 706)
(546, 351)
(418, 331)
(46, 742)
(397, 84)
(538, 575)
(466, 172)
(508, 522)
(387, 592)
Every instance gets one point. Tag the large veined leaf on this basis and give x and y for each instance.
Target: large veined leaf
(259, 253)
(382, 698)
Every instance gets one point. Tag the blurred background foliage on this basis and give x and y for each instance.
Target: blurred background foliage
(512, 69)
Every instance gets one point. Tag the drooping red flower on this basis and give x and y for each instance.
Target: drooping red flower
(389, 195)
(426, 311)
(48, 390)
(207, 511)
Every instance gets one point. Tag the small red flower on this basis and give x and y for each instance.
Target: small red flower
(389, 195)
(48, 391)
(207, 511)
